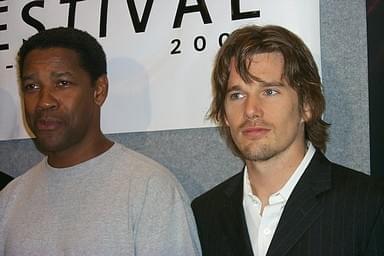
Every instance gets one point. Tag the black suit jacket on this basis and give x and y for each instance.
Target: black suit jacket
(332, 211)
(4, 180)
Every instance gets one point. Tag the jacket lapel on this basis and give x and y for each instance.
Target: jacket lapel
(233, 220)
(303, 206)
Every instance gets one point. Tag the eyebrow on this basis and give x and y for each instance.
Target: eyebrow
(233, 88)
(53, 75)
(261, 83)
(59, 74)
(272, 83)
(28, 77)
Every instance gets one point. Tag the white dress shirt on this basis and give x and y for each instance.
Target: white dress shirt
(262, 227)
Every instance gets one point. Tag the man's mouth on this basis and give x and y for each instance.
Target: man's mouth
(255, 132)
(48, 124)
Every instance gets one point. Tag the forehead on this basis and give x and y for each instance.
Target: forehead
(55, 56)
(266, 67)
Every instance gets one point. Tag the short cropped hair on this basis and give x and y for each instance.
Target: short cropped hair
(300, 71)
(91, 54)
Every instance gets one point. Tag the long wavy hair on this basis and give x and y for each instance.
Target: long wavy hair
(300, 71)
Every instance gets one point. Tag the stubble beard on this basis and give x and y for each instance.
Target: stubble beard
(259, 150)
(262, 152)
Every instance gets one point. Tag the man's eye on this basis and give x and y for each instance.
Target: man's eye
(270, 92)
(30, 87)
(236, 95)
(63, 83)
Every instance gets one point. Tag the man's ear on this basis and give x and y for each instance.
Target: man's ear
(101, 90)
(307, 112)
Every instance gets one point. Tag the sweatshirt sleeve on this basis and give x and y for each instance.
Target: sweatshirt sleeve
(165, 225)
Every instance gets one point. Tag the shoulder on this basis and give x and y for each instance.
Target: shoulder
(21, 184)
(215, 196)
(346, 177)
(139, 166)
(354, 181)
(144, 174)
(340, 176)
(348, 184)
(136, 160)
(32, 174)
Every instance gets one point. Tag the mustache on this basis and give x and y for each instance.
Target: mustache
(252, 123)
(47, 116)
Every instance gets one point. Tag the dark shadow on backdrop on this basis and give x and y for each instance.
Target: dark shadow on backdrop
(375, 34)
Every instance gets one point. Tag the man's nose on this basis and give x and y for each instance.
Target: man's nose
(253, 108)
(47, 99)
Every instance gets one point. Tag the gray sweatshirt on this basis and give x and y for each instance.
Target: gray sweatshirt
(118, 203)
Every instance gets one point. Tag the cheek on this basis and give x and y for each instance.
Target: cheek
(233, 114)
(82, 110)
(293, 117)
(227, 115)
(230, 119)
(284, 117)
(75, 101)
(29, 104)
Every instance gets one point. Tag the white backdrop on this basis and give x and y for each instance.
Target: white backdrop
(159, 72)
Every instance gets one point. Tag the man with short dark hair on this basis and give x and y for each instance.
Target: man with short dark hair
(89, 195)
(289, 199)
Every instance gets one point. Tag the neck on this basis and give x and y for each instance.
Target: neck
(268, 177)
(79, 153)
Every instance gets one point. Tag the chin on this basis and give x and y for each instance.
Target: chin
(261, 153)
(47, 146)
